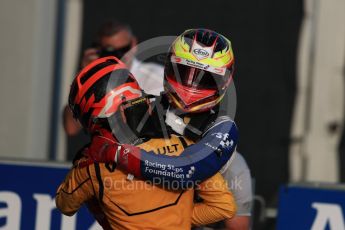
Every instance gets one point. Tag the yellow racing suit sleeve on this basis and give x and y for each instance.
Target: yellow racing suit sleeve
(218, 202)
(74, 191)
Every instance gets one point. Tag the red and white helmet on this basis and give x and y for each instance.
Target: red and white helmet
(99, 90)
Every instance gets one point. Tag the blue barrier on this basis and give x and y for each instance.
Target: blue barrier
(27, 194)
(315, 207)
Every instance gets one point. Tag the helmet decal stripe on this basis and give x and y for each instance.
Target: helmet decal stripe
(86, 105)
(97, 62)
(93, 79)
(111, 97)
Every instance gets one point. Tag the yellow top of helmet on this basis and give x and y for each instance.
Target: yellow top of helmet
(202, 54)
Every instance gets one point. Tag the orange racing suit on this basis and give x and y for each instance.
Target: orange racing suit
(118, 201)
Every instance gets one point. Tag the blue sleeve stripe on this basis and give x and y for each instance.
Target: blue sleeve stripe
(197, 162)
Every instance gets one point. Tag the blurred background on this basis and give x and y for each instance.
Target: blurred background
(290, 65)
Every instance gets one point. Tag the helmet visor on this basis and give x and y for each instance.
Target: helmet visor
(131, 120)
(196, 75)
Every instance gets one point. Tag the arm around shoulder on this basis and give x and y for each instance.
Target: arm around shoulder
(218, 202)
(74, 191)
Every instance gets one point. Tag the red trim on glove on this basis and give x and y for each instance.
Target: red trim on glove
(129, 159)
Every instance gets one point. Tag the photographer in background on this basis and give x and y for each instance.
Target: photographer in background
(116, 39)
(113, 39)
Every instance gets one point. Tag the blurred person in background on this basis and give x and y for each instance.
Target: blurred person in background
(113, 39)
(117, 39)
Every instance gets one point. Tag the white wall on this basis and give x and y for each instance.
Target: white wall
(321, 78)
(26, 63)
